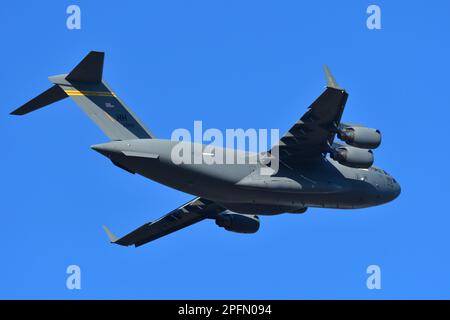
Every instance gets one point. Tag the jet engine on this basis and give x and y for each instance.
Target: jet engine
(352, 157)
(360, 137)
(236, 222)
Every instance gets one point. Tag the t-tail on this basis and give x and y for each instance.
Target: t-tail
(85, 85)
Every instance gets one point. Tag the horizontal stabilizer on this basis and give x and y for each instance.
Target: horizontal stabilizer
(50, 96)
(89, 70)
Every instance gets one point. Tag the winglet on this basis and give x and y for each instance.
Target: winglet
(331, 83)
(110, 235)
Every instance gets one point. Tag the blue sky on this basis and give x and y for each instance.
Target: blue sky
(231, 64)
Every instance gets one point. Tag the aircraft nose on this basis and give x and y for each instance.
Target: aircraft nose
(397, 189)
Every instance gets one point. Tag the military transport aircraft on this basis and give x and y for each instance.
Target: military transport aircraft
(314, 171)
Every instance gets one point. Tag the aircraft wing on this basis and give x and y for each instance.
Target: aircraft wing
(192, 212)
(312, 136)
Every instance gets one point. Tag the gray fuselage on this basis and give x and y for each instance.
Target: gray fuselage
(244, 189)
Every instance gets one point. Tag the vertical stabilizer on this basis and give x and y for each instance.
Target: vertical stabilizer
(85, 85)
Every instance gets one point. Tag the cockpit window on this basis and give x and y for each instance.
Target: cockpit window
(376, 169)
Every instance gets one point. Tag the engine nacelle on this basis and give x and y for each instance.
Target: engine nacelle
(360, 137)
(236, 222)
(353, 157)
